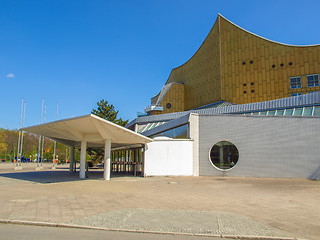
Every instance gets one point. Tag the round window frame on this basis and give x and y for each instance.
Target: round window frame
(223, 170)
(168, 105)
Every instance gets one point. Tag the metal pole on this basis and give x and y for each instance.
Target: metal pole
(55, 143)
(24, 114)
(14, 153)
(38, 156)
(19, 134)
(44, 120)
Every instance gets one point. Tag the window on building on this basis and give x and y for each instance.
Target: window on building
(298, 112)
(295, 94)
(308, 111)
(289, 112)
(178, 132)
(224, 155)
(271, 113)
(280, 112)
(313, 80)
(295, 82)
(316, 111)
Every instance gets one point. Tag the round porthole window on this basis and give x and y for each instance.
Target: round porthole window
(168, 105)
(224, 155)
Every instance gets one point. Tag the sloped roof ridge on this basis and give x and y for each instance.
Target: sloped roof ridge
(288, 102)
(256, 35)
(163, 92)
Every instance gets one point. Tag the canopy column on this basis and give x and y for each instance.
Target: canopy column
(107, 161)
(71, 159)
(83, 159)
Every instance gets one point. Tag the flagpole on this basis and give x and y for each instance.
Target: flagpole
(39, 147)
(24, 114)
(55, 143)
(18, 150)
(44, 120)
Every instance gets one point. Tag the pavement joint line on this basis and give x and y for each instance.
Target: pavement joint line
(64, 225)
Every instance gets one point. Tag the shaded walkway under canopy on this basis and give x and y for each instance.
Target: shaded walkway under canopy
(89, 131)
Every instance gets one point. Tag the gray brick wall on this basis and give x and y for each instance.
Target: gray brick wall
(270, 146)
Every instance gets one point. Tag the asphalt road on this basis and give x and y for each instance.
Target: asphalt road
(28, 232)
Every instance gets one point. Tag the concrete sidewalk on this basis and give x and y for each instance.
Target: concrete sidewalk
(234, 207)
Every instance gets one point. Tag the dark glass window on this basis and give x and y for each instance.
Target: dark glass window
(313, 80)
(298, 111)
(271, 113)
(178, 132)
(289, 112)
(295, 82)
(224, 155)
(168, 105)
(308, 111)
(280, 112)
(316, 111)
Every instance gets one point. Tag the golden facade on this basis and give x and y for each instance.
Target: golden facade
(240, 67)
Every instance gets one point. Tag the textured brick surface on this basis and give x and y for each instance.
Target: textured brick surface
(288, 205)
(268, 146)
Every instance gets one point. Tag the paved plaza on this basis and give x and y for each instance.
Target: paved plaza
(211, 206)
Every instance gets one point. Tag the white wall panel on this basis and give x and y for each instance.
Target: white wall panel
(169, 158)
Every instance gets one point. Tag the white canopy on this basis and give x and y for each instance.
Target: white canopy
(90, 128)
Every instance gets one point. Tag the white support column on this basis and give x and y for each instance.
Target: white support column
(83, 159)
(71, 159)
(107, 161)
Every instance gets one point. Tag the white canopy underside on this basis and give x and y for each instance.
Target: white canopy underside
(90, 128)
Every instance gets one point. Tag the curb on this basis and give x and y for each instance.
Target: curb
(48, 224)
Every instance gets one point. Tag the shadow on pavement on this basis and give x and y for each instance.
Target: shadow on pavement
(51, 176)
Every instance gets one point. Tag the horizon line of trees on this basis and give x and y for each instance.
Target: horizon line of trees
(9, 143)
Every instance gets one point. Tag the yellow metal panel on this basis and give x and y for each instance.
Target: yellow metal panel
(213, 74)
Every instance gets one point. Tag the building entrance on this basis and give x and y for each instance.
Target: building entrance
(128, 162)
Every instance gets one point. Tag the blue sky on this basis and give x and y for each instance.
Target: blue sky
(79, 52)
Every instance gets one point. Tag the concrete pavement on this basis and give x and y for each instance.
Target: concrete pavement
(212, 206)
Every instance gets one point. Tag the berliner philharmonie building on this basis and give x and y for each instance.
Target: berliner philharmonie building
(241, 106)
(248, 105)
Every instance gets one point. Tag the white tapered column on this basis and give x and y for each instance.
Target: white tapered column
(107, 161)
(71, 158)
(83, 159)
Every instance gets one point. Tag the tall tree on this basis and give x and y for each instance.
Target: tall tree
(107, 111)
(3, 144)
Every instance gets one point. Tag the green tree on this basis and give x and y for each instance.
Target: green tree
(9, 142)
(3, 144)
(107, 111)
